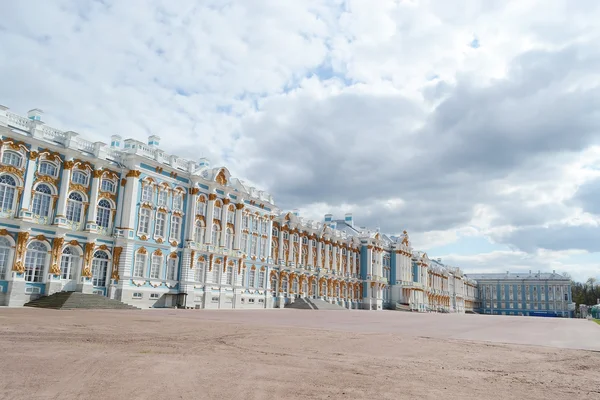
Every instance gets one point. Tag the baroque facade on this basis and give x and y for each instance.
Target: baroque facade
(133, 223)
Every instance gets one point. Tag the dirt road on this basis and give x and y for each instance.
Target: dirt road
(179, 354)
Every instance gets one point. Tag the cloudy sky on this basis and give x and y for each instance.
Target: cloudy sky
(475, 125)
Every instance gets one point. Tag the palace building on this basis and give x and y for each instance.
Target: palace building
(128, 221)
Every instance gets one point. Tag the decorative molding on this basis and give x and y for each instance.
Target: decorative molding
(134, 173)
(212, 197)
(116, 261)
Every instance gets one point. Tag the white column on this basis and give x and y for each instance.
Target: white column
(64, 188)
(239, 209)
(280, 249)
(334, 264)
(192, 210)
(319, 258)
(28, 183)
(93, 211)
(210, 215)
(129, 200)
(269, 222)
(224, 212)
(326, 262)
(348, 264)
(310, 253)
(291, 247)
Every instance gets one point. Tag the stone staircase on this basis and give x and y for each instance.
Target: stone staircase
(313, 304)
(77, 300)
(403, 307)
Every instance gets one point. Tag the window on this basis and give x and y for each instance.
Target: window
(215, 271)
(160, 224)
(107, 186)
(69, 262)
(154, 296)
(104, 211)
(42, 198)
(215, 234)
(99, 268)
(254, 245)
(155, 266)
(35, 260)
(178, 201)
(139, 265)
(137, 295)
(47, 168)
(162, 197)
(4, 254)
(275, 233)
(295, 286)
(199, 272)
(80, 178)
(261, 279)
(201, 206)
(175, 227)
(263, 247)
(218, 210)
(147, 193)
(228, 239)
(284, 285)
(252, 277)
(245, 222)
(229, 276)
(231, 215)
(244, 244)
(199, 232)
(7, 192)
(12, 158)
(265, 228)
(74, 207)
(144, 222)
(172, 268)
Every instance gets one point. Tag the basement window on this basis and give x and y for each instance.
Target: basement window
(137, 295)
(32, 290)
(154, 296)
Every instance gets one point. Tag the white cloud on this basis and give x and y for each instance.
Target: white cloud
(380, 108)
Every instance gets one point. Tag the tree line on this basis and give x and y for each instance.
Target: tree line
(585, 293)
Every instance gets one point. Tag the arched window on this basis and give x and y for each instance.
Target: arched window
(254, 245)
(7, 192)
(147, 193)
(215, 235)
(200, 268)
(42, 198)
(252, 277)
(284, 286)
(99, 268)
(80, 177)
(160, 225)
(5, 248)
(12, 158)
(244, 243)
(263, 247)
(178, 201)
(295, 286)
(74, 207)
(199, 232)
(215, 270)
(275, 233)
(107, 186)
(157, 260)
(261, 278)
(172, 268)
(305, 287)
(35, 260)
(201, 206)
(163, 196)
(144, 221)
(228, 239)
(231, 214)
(104, 211)
(245, 221)
(139, 264)
(175, 227)
(218, 210)
(47, 168)
(69, 262)
(274, 250)
(314, 287)
(274, 283)
(229, 276)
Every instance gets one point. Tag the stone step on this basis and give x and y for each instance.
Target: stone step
(72, 300)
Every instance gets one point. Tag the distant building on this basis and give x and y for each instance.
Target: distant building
(530, 294)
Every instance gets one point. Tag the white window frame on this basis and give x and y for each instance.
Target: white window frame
(139, 265)
(144, 218)
(160, 225)
(156, 266)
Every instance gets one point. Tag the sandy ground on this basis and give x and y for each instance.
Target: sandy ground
(293, 354)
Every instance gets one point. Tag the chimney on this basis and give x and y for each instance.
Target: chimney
(115, 141)
(153, 140)
(348, 219)
(328, 217)
(35, 114)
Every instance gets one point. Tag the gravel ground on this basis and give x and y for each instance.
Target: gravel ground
(293, 354)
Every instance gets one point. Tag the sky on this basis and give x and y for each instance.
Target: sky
(474, 125)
